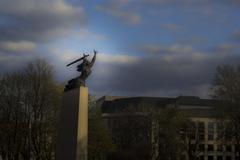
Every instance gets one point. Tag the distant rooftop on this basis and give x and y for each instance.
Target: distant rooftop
(112, 104)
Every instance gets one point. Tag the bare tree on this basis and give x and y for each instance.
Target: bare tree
(100, 145)
(29, 107)
(190, 136)
(131, 131)
(227, 90)
(167, 136)
(11, 93)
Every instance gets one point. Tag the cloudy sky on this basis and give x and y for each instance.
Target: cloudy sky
(146, 47)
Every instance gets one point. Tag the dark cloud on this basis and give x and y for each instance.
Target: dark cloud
(168, 74)
(161, 71)
(190, 2)
(14, 62)
(26, 24)
(130, 11)
(236, 36)
(121, 10)
(35, 20)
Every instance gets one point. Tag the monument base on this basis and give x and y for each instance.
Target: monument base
(73, 126)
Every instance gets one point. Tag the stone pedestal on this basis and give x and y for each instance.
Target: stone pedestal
(73, 126)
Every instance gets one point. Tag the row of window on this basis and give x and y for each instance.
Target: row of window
(198, 131)
(210, 147)
(218, 158)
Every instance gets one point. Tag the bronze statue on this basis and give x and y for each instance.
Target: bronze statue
(84, 68)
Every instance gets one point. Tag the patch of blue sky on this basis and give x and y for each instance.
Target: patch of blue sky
(6, 21)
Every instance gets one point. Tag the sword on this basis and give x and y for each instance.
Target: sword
(78, 60)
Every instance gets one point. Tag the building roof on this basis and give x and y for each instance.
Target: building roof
(191, 104)
(195, 101)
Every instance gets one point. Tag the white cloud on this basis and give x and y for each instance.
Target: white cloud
(63, 56)
(117, 59)
(68, 55)
(22, 46)
(118, 10)
(84, 33)
(160, 49)
(36, 7)
(227, 46)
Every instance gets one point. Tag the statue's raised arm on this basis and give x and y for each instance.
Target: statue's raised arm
(94, 58)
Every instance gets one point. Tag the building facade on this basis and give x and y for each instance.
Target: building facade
(125, 116)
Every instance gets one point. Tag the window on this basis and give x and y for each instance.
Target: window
(201, 137)
(237, 157)
(229, 148)
(201, 130)
(193, 131)
(228, 158)
(210, 147)
(201, 126)
(201, 147)
(220, 130)
(219, 125)
(210, 137)
(211, 125)
(193, 147)
(237, 147)
(210, 130)
(210, 157)
(219, 158)
(183, 157)
(219, 148)
(228, 135)
(201, 158)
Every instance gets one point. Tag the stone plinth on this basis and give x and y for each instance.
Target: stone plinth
(73, 126)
